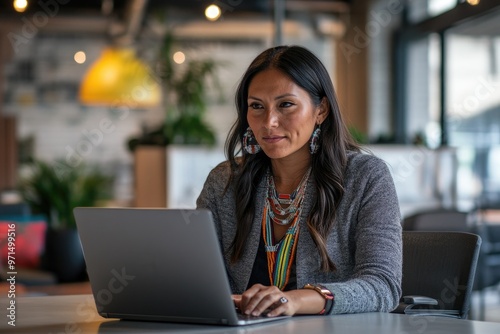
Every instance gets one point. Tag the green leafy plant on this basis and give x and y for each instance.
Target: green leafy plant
(54, 192)
(185, 90)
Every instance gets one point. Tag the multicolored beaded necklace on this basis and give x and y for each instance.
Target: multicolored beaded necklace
(280, 255)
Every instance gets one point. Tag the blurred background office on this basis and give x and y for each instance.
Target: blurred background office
(135, 97)
(421, 72)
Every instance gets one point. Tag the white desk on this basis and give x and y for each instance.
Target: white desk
(77, 314)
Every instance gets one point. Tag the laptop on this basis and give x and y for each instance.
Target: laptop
(157, 265)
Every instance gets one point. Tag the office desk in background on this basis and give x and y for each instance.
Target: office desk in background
(77, 314)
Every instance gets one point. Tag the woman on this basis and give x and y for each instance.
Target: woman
(307, 223)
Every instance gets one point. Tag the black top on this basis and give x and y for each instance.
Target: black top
(260, 273)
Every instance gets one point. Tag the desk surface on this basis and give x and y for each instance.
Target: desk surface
(77, 314)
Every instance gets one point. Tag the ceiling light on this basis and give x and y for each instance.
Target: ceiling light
(119, 78)
(473, 2)
(80, 57)
(212, 12)
(20, 5)
(179, 57)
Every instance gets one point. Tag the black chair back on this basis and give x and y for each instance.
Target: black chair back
(438, 220)
(440, 265)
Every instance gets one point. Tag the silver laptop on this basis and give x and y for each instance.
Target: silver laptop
(158, 265)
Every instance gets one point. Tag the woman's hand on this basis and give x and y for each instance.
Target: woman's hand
(266, 300)
(271, 301)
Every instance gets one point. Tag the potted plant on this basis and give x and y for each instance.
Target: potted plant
(185, 91)
(54, 192)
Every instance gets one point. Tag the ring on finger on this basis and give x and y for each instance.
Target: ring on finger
(283, 300)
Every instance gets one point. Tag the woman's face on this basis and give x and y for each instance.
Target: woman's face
(281, 115)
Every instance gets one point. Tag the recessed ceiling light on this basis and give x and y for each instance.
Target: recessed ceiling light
(20, 5)
(179, 57)
(212, 12)
(80, 57)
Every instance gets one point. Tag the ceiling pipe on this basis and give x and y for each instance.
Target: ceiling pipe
(279, 16)
(336, 7)
(134, 15)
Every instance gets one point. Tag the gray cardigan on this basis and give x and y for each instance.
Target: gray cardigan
(365, 242)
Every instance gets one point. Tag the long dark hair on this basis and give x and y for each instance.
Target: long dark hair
(328, 164)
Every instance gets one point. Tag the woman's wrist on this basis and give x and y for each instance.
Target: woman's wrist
(327, 295)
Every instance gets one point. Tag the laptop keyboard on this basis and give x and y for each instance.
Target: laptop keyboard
(242, 316)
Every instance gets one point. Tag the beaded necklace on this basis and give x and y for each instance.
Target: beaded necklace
(280, 255)
(276, 201)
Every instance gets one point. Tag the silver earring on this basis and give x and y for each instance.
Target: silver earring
(250, 143)
(314, 141)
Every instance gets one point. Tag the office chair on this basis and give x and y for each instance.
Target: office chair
(438, 273)
(488, 264)
(438, 220)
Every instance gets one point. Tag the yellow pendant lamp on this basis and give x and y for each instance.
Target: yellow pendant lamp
(119, 78)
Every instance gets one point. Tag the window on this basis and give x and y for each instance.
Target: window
(452, 84)
(473, 104)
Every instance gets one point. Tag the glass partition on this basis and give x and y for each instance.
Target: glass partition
(473, 105)
(452, 85)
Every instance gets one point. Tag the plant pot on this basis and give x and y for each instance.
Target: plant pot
(64, 255)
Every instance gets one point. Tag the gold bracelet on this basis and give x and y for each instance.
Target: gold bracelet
(325, 293)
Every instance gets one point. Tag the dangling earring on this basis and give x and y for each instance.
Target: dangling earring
(314, 141)
(250, 143)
